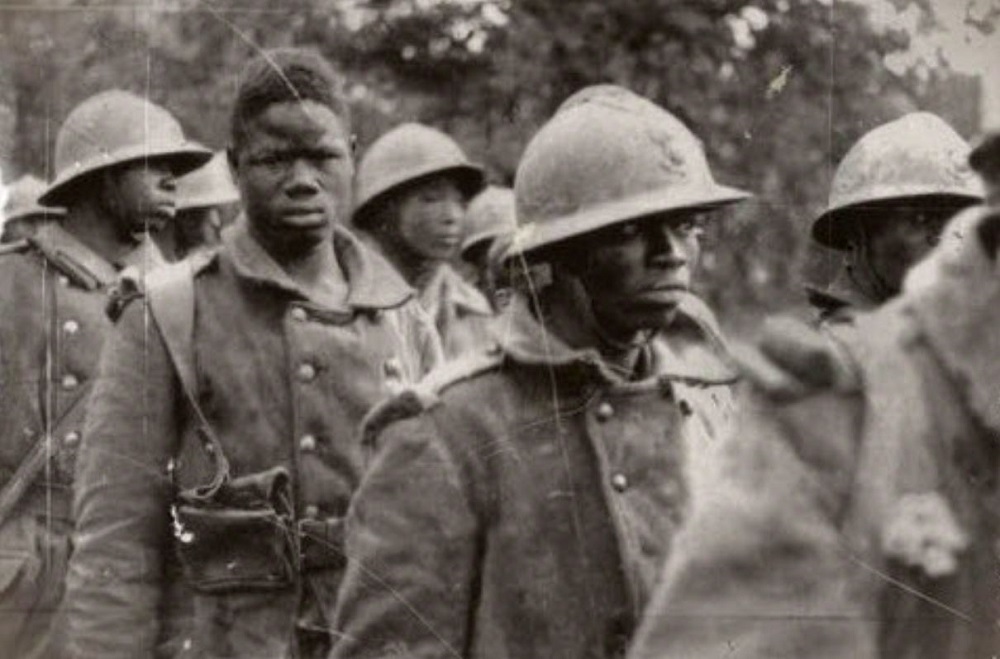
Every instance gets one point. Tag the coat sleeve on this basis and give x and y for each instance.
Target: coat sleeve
(412, 544)
(122, 498)
(761, 569)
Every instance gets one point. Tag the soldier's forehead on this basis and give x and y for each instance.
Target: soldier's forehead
(298, 122)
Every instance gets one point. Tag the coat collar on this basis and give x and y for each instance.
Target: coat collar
(57, 243)
(690, 350)
(447, 286)
(372, 282)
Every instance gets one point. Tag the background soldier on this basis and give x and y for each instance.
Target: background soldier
(412, 187)
(855, 512)
(207, 200)
(22, 214)
(116, 159)
(523, 511)
(491, 221)
(228, 415)
(891, 195)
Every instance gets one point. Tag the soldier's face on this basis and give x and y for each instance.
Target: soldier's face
(141, 197)
(294, 172)
(638, 272)
(430, 218)
(900, 237)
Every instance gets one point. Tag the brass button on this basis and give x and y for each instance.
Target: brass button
(299, 314)
(605, 411)
(307, 443)
(311, 511)
(393, 369)
(70, 382)
(71, 327)
(72, 438)
(307, 372)
(63, 280)
(619, 482)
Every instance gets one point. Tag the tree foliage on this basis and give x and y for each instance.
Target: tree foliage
(777, 89)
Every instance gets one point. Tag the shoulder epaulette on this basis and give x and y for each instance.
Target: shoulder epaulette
(16, 247)
(425, 394)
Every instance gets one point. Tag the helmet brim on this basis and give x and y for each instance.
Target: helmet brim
(834, 227)
(182, 158)
(208, 201)
(470, 178)
(35, 213)
(533, 236)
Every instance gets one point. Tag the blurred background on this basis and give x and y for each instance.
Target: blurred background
(777, 89)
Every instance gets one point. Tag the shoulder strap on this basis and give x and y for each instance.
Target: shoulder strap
(170, 290)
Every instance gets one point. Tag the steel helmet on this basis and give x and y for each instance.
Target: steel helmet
(209, 185)
(116, 127)
(918, 155)
(491, 214)
(406, 154)
(609, 156)
(22, 202)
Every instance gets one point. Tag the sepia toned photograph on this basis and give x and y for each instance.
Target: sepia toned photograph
(500, 329)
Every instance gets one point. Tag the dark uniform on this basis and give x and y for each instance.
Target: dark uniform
(525, 509)
(53, 294)
(283, 383)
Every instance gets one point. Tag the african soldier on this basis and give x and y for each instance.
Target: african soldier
(221, 452)
(116, 157)
(203, 198)
(519, 502)
(22, 214)
(412, 188)
(491, 225)
(891, 195)
(855, 513)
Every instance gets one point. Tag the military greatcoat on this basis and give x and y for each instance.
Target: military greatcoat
(283, 382)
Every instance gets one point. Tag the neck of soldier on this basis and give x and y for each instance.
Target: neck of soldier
(568, 313)
(89, 224)
(315, 269)
(416, 269)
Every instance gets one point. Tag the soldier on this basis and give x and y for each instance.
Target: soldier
(22, 214)
(412, 188)
(116, 159)
(891, 195)
(522, 509)
(856, 513)
(492, 222)
(221, 450)
(203, 197)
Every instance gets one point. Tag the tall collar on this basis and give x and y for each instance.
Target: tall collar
(56, 242)
(447, 285)
(372, 282)
(688, 350)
